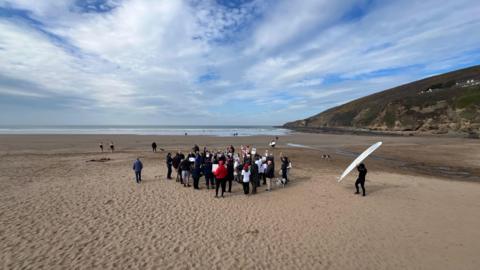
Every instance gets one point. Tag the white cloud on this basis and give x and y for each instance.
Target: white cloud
(147, 58)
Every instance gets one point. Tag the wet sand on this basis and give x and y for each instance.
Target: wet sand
(59, 211)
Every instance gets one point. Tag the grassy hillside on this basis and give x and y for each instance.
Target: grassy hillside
(447, 103)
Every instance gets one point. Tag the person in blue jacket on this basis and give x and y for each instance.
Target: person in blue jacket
(197, 170)
(137, 167)
(207, 171)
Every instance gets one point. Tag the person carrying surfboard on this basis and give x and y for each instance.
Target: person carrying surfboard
(362, 172)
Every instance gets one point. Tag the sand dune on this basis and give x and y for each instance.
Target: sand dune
(58, 211)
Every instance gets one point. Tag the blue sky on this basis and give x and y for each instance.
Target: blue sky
(218, 62)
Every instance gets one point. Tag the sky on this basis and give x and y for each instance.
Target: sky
(145, 62)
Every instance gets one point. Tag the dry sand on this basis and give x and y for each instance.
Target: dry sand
(58, 211)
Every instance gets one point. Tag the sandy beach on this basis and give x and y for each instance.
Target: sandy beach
(59, 210)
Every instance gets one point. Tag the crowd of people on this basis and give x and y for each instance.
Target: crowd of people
(221, 168)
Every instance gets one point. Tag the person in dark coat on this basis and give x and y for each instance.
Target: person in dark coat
(254, 177)
(185, 166)
(197, 171)
(285, 163)
(362, 173)
(137, 168)
(195, 148)
(230, 174)
(169, 161)
(270, 174)
(154, 147)
(207, 171)
(176, 164)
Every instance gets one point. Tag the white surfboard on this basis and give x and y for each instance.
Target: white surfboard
(359, 159)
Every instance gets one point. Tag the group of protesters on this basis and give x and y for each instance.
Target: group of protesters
(223, 167)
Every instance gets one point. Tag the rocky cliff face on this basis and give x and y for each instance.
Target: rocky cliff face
(443, 104)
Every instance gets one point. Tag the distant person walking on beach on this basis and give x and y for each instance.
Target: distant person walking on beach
(101, 146)
(137, 167)
(112, 147)
(169, 161)
(362, 172)
(154, 147)
(220, 175)
(270, 174)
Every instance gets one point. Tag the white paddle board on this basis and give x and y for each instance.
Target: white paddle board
(359, 159)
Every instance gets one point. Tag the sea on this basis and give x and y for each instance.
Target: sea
(222, 131)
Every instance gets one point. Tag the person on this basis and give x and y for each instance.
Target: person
(197, 170)
(207, 171)
(195, 148)
(154, 147)
(185, 167)
(270, 174)
(261, 170)
(101, 146)
(169, 160)
(230, 170)
(137, 168)
(237, 172)
(246, 179)
(254, 176)
(112, 147)
(220, 175)
(176, 164)
(285, 164)
(264, 175)
(362, 172)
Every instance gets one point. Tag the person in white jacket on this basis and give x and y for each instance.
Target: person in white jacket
(246, 179)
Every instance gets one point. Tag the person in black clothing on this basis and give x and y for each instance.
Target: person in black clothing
(254, 176)
(197, 170)
(195, 148)
(285, 163)
(154, 147)
(230, 175)
(185, 166)
(169, 160)
(207, 171)
(362, 172)
(176, 164)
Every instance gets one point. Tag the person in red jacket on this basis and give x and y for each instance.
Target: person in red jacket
(220, 177)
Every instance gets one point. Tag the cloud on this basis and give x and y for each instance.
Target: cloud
(204, 62)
